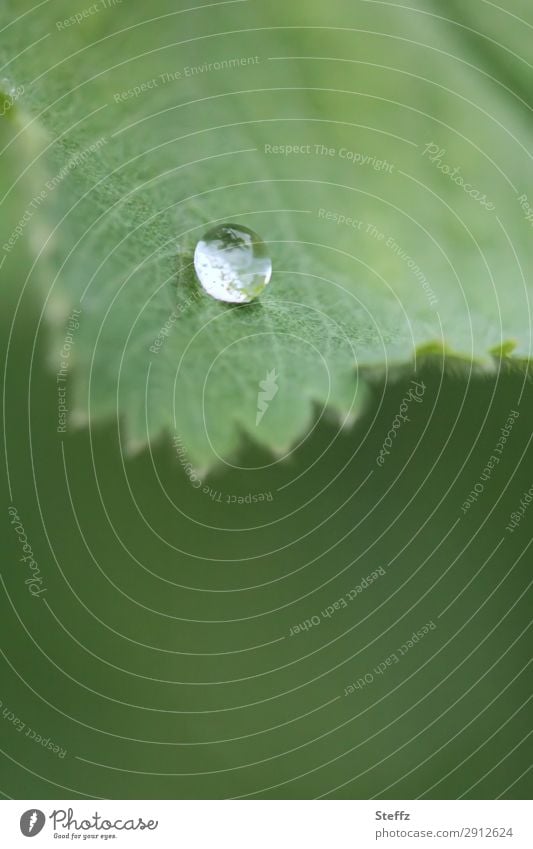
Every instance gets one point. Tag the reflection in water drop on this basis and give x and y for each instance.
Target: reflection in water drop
(232, 263)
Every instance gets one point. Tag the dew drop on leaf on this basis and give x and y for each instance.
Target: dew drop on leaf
(232, 263)
(6, 85)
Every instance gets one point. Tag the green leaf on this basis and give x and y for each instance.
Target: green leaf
(379, 152)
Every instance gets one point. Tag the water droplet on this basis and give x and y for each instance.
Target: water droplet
(232, 263)
(7, 87)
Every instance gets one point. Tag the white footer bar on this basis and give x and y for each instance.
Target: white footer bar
(268, 824)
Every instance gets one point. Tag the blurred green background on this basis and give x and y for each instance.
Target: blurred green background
(160, 655)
